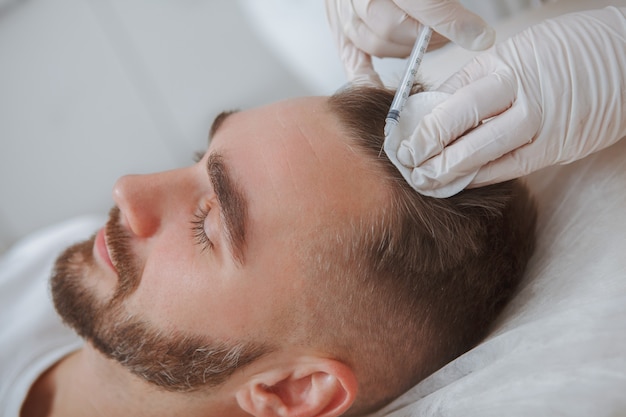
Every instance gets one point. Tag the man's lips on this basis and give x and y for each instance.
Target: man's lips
(102, 249)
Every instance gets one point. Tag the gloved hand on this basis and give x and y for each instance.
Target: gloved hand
(552, 94)
(388, 28)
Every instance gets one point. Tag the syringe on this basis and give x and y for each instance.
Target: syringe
(415, 59)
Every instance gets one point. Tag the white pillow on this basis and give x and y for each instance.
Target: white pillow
(560, 346)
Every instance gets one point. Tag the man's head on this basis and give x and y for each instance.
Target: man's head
(292, 266)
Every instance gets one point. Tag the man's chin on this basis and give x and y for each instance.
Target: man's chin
(73, 298)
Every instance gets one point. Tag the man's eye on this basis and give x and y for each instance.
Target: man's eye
(197, 227)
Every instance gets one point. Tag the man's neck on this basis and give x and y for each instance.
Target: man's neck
(76, 386)
(53, 394)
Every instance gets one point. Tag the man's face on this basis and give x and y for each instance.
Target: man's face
(210, 257)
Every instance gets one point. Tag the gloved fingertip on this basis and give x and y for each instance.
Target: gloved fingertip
(366, 79)
(426, 183)
(484, 40)
(359, 68)
(405, 155)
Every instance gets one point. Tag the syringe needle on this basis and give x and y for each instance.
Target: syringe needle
(404, 89)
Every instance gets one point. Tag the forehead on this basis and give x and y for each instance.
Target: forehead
(295, 165)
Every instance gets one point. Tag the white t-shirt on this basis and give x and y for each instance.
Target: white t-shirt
(32, 336)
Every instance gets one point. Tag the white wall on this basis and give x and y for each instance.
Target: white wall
(94, 89)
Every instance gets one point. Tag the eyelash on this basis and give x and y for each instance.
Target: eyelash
(199, 217)
(197, 227)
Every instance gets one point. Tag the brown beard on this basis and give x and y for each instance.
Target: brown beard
(170, 360)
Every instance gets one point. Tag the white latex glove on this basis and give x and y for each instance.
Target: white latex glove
(388, 28)
(553, 94)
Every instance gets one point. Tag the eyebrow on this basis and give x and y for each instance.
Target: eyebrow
(233, 205)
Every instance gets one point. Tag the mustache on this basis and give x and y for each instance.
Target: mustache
(126, 263)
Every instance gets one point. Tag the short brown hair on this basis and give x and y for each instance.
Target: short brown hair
(420, 282)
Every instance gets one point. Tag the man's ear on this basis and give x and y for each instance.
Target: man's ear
(310, 387)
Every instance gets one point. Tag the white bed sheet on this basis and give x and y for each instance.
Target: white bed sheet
(560, 346)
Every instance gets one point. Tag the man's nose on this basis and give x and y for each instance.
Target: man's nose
(144, 199)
